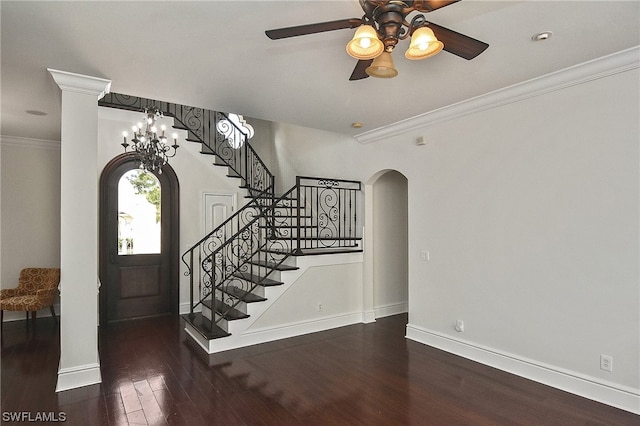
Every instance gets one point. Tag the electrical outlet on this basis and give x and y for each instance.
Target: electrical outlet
(606, 363)
(459, 326)
(319, 307)
(424, 255)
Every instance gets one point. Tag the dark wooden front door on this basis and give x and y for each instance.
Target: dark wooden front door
(138, 270)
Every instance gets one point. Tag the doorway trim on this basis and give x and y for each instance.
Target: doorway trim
(171, 179)
(370, 239)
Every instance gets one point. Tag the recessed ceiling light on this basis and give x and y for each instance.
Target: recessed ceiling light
(35, 112)
(541, 36)
(357, 125)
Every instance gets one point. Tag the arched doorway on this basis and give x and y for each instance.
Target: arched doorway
(139, 241)
(386, 239)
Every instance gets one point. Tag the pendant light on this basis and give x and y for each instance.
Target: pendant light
(423, 44)
(382, 66)
(365, 43)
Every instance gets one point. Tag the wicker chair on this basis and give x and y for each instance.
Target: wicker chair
(37, 289)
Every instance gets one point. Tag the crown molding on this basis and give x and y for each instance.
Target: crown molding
(29, 142)
(78, 83)
(578, 74)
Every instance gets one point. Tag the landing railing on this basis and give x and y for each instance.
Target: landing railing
(319, 213)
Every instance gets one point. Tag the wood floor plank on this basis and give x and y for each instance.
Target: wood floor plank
(365, 374)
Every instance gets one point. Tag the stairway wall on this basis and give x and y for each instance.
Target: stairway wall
(326, 287)
(291, 309)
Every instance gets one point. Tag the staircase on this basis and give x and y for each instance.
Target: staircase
(243, 261)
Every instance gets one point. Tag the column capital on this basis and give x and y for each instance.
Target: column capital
(72, 82)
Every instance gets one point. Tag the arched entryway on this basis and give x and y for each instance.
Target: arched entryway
(386, 239)
(139, 241)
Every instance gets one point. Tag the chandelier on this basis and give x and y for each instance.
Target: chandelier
(150, 143)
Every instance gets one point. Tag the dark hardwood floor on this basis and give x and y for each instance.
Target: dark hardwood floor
(356, 375)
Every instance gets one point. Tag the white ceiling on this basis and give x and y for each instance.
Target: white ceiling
(214, 54)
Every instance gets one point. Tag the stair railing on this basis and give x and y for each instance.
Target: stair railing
(199, 259)
(236, 257)
(218, 134)
(233, 259)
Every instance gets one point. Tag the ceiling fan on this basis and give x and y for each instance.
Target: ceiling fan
(383, 24)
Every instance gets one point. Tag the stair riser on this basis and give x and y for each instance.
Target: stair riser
(263, 271)
(222, 323)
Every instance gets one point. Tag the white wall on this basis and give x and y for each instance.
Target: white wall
(30, 208)
(530, 214)
(532, 223)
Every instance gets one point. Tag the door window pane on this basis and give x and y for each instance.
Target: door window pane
(139, 213)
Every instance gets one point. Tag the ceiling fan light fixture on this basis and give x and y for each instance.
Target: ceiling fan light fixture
(423, 44)
(365, 43)
(382, 67)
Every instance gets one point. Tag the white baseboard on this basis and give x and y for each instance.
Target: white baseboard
(184, 308)
(369, 316)
(391, 309)
(592, 388)
(75, 377)
(282, 332)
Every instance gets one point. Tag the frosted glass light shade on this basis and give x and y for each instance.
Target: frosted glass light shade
(382, 66)
(423, 44)
(365, 43)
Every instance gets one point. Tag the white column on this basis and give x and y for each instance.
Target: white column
(79, 361)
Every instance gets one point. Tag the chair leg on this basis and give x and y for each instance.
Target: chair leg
(53, 314)
(33, 318)
(27, 312)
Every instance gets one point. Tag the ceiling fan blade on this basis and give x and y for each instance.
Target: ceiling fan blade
(359, 72)
(429, 5)
(458, 44)
(313, 28)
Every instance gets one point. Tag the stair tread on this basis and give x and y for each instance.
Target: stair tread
(275, 251)
(204, 326)
(327, 250)
(229, 313)
(243, 295)
(289, 226)
(273, 265)
(322, 239)
(257, 279)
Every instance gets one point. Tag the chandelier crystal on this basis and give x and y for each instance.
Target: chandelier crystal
(150, 143)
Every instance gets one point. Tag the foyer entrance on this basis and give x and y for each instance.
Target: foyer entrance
(138, 241)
